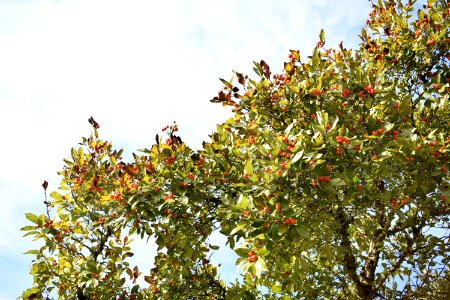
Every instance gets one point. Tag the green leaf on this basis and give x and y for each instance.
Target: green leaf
(32, 217)
(296, 54)
(248, 168)
(282, 229)
(28, 228)
(242, 202)
(57, 196)
(34, 252)
(322, 118)
(214, 247)
(30, 233)
(135, 289)
(226, 83)
(337, 182)
(74, 154)
(420, 14)
(289, 128)
(260, 266)
(297, 156)
(127, 254)
(184, 200)
(237, 229)
(302, 230)
(316, 58)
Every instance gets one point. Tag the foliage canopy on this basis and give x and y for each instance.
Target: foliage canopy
(330, 181)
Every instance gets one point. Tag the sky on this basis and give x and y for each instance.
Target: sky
(134, 66)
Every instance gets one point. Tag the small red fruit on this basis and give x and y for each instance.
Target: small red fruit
(346, 93)
(324, 178)
(278, 206)
(265, 210)
(342, 140)
(290, 221)
(252, 257)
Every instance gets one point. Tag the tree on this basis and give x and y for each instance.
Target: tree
(330, 181)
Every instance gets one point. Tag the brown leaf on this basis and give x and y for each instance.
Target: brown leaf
(129, 169)
(266, 69)
(135, 272)
(241, 78)
(93, 123)
(45, 185)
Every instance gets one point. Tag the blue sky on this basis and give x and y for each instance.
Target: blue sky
(135, 66)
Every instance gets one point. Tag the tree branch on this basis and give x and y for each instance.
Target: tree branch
(363, 291)
(368, 273)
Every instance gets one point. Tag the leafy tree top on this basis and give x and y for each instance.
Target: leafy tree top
(331, 180)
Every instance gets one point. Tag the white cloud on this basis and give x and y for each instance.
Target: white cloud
(134, 66)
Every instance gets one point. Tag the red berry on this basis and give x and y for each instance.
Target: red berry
(252, 257)
(346, 93)
(265, 210)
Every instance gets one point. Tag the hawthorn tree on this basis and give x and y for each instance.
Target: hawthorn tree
(330, 181)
